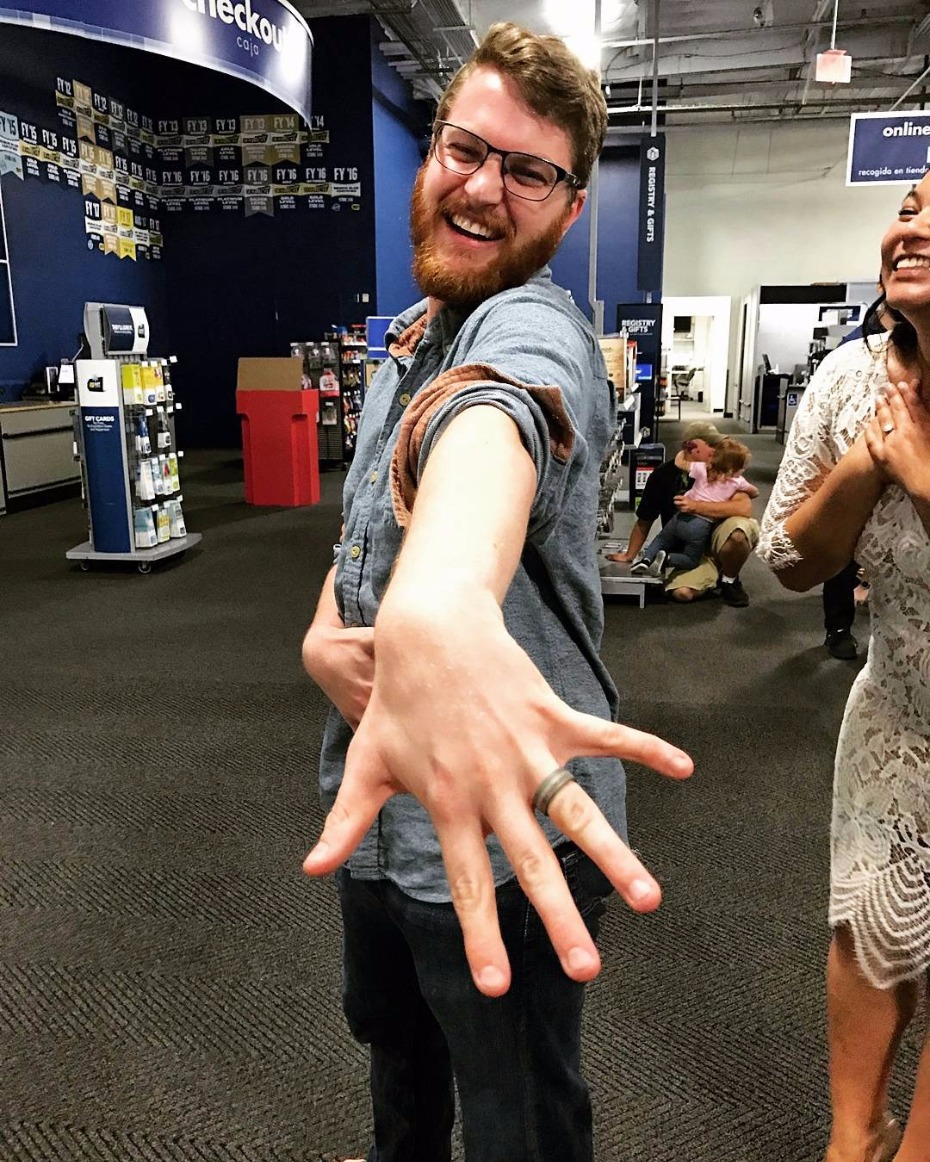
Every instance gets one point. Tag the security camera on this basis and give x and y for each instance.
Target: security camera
(763, 15)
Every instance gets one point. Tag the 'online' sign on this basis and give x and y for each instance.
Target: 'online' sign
(888, 149)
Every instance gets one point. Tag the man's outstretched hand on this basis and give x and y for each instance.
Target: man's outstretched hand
(460, 718)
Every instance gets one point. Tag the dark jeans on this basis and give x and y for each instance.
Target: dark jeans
(409, 995)
(839, 602)
(684, 538)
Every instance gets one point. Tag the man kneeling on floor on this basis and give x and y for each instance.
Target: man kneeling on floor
(732, 540)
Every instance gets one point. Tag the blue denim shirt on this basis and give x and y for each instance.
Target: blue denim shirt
(553, 609)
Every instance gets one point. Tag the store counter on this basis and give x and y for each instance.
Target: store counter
(36, 450)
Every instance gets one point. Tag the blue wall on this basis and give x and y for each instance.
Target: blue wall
(227, 285)
(249, 286)
(617, 239)
(52, 270)
(618, 231)
(400, 127)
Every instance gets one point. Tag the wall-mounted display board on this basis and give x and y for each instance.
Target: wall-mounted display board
(129, 168)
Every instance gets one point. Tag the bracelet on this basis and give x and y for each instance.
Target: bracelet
(337, 549)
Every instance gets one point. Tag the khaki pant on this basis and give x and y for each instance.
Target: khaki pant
(704, 577)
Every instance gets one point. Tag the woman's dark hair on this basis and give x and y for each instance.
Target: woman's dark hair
(903, 334)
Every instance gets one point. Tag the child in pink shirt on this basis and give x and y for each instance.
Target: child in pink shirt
(682, 542)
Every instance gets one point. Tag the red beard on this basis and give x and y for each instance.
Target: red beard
(516, 263)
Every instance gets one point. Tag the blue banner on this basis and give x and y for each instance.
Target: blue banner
(266, 42)
(651, 213)
(888, 149)
(107, 498)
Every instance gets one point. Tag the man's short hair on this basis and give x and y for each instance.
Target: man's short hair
(551, 80)
(702, 430)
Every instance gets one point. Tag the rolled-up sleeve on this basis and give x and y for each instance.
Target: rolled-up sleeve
(533, 362)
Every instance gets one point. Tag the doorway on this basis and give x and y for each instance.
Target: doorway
(695, 346)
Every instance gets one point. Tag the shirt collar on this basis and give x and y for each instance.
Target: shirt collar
(409, 327)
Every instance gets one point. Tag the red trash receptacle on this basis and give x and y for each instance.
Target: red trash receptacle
(279, 446)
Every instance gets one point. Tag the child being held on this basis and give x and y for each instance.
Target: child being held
(683, 541)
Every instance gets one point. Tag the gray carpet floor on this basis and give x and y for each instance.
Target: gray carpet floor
(169, 979)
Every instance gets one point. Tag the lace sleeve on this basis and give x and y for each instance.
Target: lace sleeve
(813, 448)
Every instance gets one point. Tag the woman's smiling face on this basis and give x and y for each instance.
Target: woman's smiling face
(906, 254)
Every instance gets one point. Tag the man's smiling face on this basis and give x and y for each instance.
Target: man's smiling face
(471, 237)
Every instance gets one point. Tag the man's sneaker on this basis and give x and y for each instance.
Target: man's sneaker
(841, 644)
(658, 564)
(640, 566)
(733, 593)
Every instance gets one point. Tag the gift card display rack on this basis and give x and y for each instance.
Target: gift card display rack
(126, 441)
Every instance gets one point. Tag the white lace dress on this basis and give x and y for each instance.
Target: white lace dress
(880, 837)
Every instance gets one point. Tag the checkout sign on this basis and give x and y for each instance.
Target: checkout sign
(888, 149)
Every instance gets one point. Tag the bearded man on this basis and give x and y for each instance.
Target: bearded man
(457, 638)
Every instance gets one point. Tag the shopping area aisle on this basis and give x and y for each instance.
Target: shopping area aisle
(169, 980)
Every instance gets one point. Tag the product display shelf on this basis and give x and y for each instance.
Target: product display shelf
(616, 578)
(352, 351)
(130, 463)
(325, 375)
(617, 473)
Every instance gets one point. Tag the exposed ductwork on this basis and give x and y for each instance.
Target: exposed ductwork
(714, 59)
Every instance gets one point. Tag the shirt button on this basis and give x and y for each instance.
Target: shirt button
(405, 398)
(355, 552)
(373, 477)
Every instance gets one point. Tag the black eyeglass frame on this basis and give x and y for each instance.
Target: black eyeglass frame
(561, 175)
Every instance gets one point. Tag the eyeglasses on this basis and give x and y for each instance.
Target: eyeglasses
(523, 175)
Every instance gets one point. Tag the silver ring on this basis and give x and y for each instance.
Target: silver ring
(887, 428)
(550, 787)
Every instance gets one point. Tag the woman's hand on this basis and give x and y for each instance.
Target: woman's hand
(898, 439)
(342, 663)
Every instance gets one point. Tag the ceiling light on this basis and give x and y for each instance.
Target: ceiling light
(833, 67)
(587, 47)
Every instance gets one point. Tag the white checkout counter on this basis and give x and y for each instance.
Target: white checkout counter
(36, 450)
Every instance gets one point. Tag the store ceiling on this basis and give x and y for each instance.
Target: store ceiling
(714, 60)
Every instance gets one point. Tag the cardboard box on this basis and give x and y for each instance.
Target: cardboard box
(614, 349)
(271, 374)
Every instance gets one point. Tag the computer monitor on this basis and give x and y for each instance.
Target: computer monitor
(643, 372)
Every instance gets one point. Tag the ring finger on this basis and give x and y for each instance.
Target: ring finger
(577, 815)
(883, 417)
(540, 875)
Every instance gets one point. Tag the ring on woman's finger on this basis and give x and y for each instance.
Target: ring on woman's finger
(550, 787)
(887, 429)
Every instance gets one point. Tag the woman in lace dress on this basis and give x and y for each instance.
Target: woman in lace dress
(855, 484)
